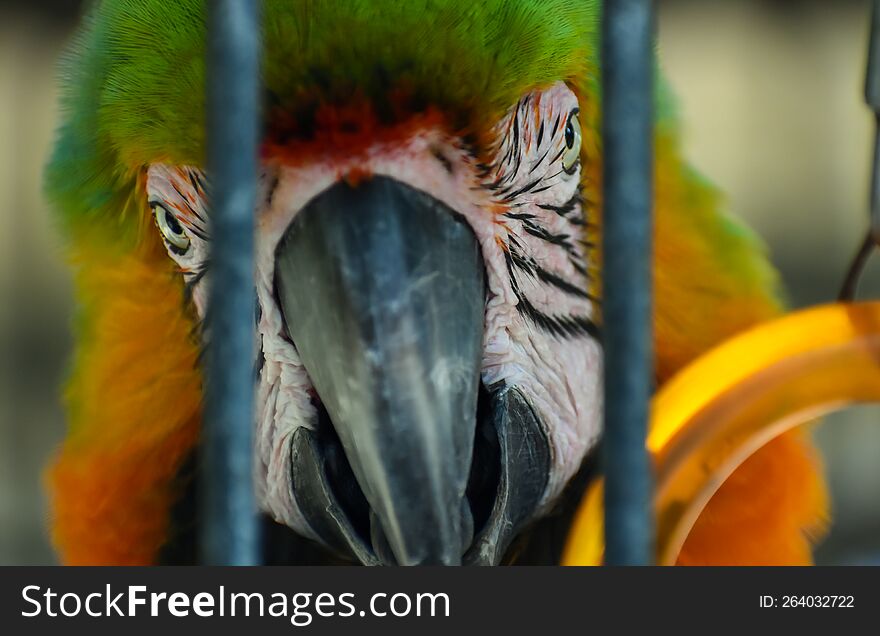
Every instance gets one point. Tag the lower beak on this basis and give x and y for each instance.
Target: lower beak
(382, 288)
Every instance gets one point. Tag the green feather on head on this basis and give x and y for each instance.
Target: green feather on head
(134, 82)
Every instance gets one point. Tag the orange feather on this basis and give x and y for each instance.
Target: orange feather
(134, 405)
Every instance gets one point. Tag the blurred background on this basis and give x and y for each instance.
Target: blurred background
(771, 93)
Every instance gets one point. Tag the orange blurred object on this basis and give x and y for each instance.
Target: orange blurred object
(712, 416)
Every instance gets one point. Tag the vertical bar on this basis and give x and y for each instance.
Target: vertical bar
(627, 130)
(872, 96)
(229, 527)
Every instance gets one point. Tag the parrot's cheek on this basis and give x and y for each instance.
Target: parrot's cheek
(413, 461)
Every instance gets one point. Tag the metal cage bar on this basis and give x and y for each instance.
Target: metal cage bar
(627, 131)
(872, 97)
(228, 521)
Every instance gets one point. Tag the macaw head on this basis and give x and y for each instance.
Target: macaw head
(428, 367)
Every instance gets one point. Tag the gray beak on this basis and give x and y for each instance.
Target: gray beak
(382, 288)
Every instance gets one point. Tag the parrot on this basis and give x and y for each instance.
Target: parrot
(427, 325)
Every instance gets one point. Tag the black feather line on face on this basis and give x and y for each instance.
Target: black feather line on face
(516, 165)
(273, 188)
(566, 208)
(531, 267)
(562, 240)
(515, 138)
(197, 180)
(184, 199)
(572, 205)
(526, 188)
(520, 217)
(540, 160)
(197, 228)
(193, 279)
(564, 327)
(444, 161)
(197, 232)
(543, 189)
(483, 171)
(193, 180)
(512, 142)
(579, 268)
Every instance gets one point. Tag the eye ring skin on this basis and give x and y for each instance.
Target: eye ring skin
(171, 229)
(572, 154)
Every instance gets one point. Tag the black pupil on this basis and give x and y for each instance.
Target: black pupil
(172, 223)
(569, 134)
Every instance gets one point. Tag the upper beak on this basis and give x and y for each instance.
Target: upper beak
(382, 288)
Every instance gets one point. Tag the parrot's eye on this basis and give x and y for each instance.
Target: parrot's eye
(171, 229)
(571, 156)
